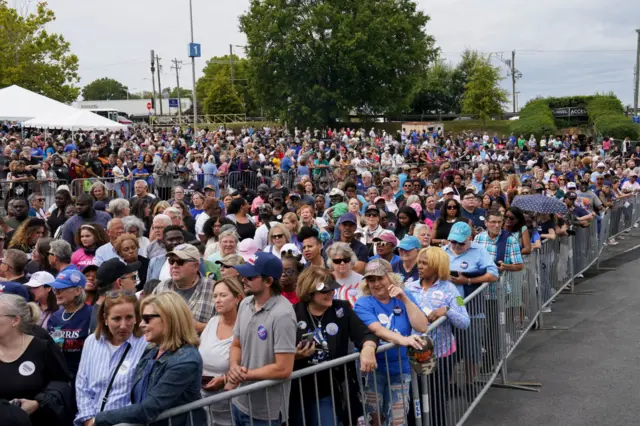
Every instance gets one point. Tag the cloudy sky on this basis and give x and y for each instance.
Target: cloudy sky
(567, 47)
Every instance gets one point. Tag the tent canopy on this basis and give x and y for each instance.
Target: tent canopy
(77, 119)
(18, 104)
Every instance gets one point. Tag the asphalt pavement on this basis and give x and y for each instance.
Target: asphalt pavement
(590, 373)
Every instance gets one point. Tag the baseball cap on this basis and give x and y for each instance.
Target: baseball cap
(186, 252)
(326, 286)
(231, 260)
(447, 190)
(336, 191)
(388, 237)
(377, 268)
(371, 208)
(348, 217)
(113, 269)
(633, 173)
(600, 165)
(263, 187)
(14, 288)
(290, 247)
(409, 243)
(265, 208)
(67, 279)
(261, 263)
(571, 195)
(571, 185)
(379, 199)
(247, 248)
(460, 231)
(40, 278)
(209, 187)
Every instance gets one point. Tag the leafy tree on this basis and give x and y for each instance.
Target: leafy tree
(313, 62)
(217, 74)
(221, 98)
(173, 93)
(33, 58)
(462, 75)
(104, 89)
(433, 93)
(483, 97)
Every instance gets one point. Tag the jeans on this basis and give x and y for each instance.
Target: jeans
(242, 419)
(391, 399)
(311, 408)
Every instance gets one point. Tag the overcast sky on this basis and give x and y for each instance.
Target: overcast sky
(567, 47)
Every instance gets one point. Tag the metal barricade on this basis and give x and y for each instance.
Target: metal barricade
(116, 187)
(16, 189)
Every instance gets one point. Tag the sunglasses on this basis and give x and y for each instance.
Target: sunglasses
(455, 243)
(372, 215)
(278, 236)
(452, 207)
(179, 262)
(223, 266)
(148, 317)
(510, 217)
(381, 243)
(339, 261)
(117, 293)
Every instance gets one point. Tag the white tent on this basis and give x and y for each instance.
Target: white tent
(77, 119)
(18, 104)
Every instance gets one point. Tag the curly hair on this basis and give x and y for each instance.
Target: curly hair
(24, 232)
(99, 235)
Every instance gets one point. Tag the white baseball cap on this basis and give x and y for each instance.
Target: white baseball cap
(447, 190)
(39, 279)
(600, 165)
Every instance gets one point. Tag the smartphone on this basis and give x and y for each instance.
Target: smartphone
(308, 338)
(454, 274)
(205, 380)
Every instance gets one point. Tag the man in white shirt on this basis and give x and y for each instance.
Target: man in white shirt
(632, 184)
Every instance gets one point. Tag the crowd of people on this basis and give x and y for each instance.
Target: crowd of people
(147, 269)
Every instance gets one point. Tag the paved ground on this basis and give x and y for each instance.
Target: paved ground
(590, 373)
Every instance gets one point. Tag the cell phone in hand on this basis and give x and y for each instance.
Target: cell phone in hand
(307, 338)
(454, 274)
(205, 380)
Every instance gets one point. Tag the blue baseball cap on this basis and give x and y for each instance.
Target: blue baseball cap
(261, 263)
(14, 288)
(409, 243)
(459, 233)
(348, 217)
(69, 278)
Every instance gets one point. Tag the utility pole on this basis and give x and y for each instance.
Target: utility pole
(193, 71)
(513, 78)
(637, 81)
(177, 65)
(153, 77)
(233, 77)
(159, 84)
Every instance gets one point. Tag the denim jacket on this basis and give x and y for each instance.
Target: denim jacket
(174, 380)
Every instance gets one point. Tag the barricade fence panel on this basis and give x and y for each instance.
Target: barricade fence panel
(45, 189)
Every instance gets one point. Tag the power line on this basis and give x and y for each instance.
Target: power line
(177, 65)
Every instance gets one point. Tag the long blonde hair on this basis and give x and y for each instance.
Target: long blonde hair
(178, 321)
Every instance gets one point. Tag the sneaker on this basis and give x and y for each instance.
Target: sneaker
(612, 242)
(579, 276)
(635, 225)
(546, 310)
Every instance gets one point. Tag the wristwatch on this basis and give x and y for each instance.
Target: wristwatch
(448, 308)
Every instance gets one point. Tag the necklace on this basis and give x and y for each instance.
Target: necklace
(2, 355)
(72, 314)
(317, 325)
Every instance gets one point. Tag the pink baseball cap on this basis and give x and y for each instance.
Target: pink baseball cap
(247, 248)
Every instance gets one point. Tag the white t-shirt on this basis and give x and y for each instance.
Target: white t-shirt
(349, 290)
(165, 273)
(214, 352)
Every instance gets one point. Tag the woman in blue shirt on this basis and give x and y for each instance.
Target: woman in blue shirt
(112, 351)
(169, 373)
(393, 316)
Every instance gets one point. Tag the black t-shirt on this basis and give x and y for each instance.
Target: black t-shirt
(543, 228)
(95, 165)
(62, 172)
(246, 230)
(26, 377)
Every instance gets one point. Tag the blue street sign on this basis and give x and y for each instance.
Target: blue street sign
(173, 103)
(194, 50)
(636, 119)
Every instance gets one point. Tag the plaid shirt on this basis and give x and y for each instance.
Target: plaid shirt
(512, 255)
(200, 303)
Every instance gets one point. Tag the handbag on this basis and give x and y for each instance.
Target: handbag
(113, 378)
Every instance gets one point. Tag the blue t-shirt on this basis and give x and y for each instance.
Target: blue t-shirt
(70, 335)
(393, 316)
(195, 212)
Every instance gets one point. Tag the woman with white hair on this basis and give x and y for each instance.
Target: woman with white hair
(228, 243)
(135, 226)
(278, 236)
(341, 259)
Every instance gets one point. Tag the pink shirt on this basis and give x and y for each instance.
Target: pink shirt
(81, 259)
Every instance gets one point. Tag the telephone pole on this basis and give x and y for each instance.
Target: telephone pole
(177, 65)
(636, 85)
(159, 84)
(193, 72)
(231, 64)
(153, 78)
(513, 78)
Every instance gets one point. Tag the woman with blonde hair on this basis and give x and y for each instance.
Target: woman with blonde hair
(110, 355)
(278, 236)
(327, 327)
(438, 297)
(215, 343)
(169, 373)
(160, 207)
(291, 221)
(392, 315)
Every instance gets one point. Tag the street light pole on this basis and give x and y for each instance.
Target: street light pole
(193, 72)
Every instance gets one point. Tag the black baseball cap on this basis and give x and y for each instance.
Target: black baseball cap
(113, 269)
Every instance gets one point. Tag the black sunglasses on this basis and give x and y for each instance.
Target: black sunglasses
(452, 207)
(455, 243)
(179, 262)
(148, 317)
(117, 293)
(278, 236)
(372, 215)
(339, 261)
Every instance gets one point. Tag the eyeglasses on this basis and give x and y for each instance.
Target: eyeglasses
(148, 317)
(455, 243)
(452, 207)
(278, 236)
(372, 215)
(223, 266)
(117, 293)
(339, 261)
(179, 262)
(288, 272)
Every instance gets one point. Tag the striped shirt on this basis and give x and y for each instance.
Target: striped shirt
(97, 365)
(512, 255)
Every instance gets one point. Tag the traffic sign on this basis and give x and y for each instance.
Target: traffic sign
(173, 103)
(149, 106)
(194, 50)
(636, 119)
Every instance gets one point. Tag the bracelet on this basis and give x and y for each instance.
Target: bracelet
(468, 281)
(224, 379)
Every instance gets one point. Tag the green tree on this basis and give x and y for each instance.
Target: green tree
(433, 93)
(217, 73)
(462, 75)
(483, 97)
(33, 58)
(173, 92)
(221, 98)
(313, 62)
(104, 89)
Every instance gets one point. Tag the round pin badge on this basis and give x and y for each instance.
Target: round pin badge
(464, 265)
(262, 332)
(481, 218)
(439, 295)
(302, 325)
(332, 329)
(340, 313)
(27, 368)
(397, 310)
(383, 318)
